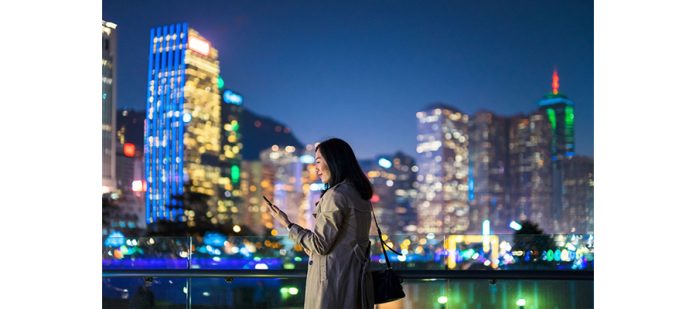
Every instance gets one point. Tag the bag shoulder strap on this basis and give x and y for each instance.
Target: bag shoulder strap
(383, 245)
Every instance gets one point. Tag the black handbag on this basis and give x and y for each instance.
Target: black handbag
(386, 282)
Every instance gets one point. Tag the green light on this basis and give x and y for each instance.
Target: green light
(283, 290)
(442, 299)
(234, 172)
(293, 290)
(521, 302)
(288, 266)
(549, 255)
(235, 126)
(552, 118)
(467, 253)
(220, 82)
(569, 115)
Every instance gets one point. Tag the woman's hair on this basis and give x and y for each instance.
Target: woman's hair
(343, 165)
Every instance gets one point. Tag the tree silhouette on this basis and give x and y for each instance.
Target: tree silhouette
(531, 240)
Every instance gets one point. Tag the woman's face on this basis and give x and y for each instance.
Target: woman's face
(322, 168)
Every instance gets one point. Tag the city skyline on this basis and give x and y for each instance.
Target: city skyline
(464, 64)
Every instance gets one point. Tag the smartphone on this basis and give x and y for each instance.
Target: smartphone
(266, 199)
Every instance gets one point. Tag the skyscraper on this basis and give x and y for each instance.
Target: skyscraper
(108, 106)
(182, 128)
(560, 112)
(291, 182)
(443, 170)
(229, 204)
(530, 169)
(578, 198)
(488, 159)
(393, 178)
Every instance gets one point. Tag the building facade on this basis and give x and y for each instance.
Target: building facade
(231, 145)
(182, 127)
(443, 170)
(109, 43)
(530, 170)
(560, 113)
(488, 160)
(393, 179)
(578, 196)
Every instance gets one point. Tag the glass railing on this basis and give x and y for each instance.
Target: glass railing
(451, 271)
(419, 252)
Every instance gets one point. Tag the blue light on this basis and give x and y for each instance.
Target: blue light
(115, 239)
(515, 226)
(161, 126)
(307, 159)
(384, 163)
(214, 239)
(229, 97)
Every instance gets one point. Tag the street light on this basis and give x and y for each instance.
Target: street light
(521, 302)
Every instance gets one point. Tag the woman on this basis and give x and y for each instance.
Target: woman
(339, 247)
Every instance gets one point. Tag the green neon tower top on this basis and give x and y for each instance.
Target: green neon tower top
(561, 114)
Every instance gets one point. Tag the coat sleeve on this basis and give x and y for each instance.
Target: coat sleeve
(328, 224)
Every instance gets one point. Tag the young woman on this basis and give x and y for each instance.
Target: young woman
(339, 247)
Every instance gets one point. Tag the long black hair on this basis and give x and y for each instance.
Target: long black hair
(343, 165)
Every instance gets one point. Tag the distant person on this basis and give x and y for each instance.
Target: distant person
(339, 245)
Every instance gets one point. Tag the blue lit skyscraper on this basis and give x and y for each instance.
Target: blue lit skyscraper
(182, 126)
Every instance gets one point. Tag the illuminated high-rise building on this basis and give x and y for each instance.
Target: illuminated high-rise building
(129, 166)
(530, 170)
(182, 127)
(108, 106)
(229, 204)
(291, 182)
(251, 212)
(443, 170)
(560, 113)
(393, 180)
(488, 160)
(578, 198)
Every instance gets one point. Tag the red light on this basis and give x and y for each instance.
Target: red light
(555, 84)
(129, 150)
(374, 198)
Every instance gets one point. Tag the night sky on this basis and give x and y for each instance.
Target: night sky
(360, 70)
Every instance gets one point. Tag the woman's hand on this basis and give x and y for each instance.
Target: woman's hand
(278, 214)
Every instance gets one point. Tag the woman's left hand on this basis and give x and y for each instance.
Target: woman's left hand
(278, 214)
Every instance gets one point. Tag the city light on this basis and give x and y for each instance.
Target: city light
(138, 186)
(384, 163)
(199, 45)
(229, 97)
(129, 150)
(515, 226)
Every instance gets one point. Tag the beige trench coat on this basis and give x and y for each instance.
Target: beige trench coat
(338, 274)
